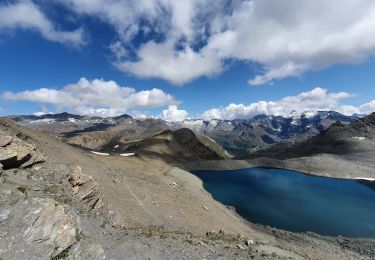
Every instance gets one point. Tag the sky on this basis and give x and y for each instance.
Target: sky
(210, 59)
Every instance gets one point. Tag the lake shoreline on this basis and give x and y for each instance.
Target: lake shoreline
(323, 165)
(362, 245)
(271, 191)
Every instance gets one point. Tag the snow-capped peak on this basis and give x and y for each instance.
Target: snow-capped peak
(309, 114)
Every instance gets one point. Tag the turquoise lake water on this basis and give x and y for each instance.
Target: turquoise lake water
(295, 201)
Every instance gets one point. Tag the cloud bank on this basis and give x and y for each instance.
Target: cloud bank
(96, 97)
(184, 40)
(106, 98)
(318, 99)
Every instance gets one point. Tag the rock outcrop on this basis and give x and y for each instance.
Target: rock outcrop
(47, 222)
(41, 229)
(85, 189)
(16, 153)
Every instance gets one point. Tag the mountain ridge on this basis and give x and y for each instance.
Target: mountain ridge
(238, 137)
(338, 139)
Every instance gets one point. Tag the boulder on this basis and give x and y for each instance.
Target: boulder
(5, 140)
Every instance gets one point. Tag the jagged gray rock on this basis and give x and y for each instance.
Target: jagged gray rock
(47, 222)
(85, 189)
(40, 228)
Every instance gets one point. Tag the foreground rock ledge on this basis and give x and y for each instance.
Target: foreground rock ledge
(15, 153)
(44, 229)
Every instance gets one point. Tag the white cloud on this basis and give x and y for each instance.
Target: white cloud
(96, 97)
(139, 115)
(367, 108)
(26, 15)
(348, 110)
(41, 113)
(173, 114)
(364, 109)
(196, 37)
(118, 50)
(184, 40)
(178, 67)
(316, 100)
(291, 37)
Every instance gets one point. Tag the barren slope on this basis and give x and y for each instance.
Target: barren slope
(81, 205)
(340, 152)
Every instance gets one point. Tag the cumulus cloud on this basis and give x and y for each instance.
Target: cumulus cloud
(96, 97)
(363, 109)
(27, 15)
(173, 114)
(184, 40)
(318, 99)
(161, 61)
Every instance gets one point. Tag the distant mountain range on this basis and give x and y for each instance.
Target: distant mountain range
(339, 139)
(239, 137)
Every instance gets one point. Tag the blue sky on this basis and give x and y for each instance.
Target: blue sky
(175, 60)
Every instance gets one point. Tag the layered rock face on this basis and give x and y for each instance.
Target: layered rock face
(85, 189)
(43, 228)
(15, 153)
(32, 226)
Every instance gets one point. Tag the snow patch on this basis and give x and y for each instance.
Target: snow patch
(310, 114)
(364, 178)
(105, 154)
(294, 122)
(45, 120)
(359, 137)
(127, 154)
(192, 122)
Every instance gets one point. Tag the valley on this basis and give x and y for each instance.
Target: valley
(192, 130)
(129, 180)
